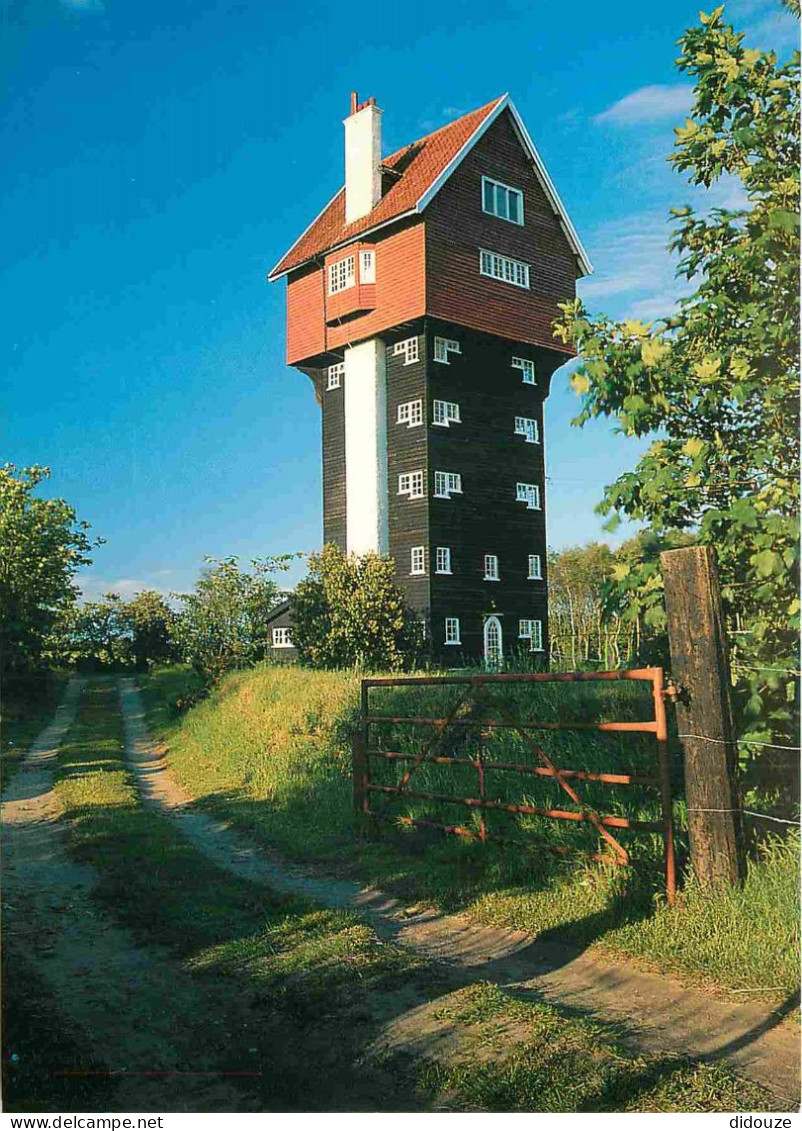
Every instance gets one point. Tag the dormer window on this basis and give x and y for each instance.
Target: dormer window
(503, 201)
(342, 275)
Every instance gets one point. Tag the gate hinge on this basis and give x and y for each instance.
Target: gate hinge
(673, 691)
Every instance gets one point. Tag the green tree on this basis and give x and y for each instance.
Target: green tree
(42, 546)
(150, 623)
(223, 624)
(716, 382)
(349, 612)
(97, 634)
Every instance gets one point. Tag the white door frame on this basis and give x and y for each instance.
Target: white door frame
(493, 621)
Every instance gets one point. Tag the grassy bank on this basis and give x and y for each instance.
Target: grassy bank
(290, 1005)
(270, 750)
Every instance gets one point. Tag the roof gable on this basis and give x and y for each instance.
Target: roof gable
(424, 168)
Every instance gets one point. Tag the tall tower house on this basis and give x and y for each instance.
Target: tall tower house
(420, 303)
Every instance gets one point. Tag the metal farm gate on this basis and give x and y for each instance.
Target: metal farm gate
(470, 712)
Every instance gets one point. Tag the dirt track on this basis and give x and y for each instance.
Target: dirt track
(658, 1013)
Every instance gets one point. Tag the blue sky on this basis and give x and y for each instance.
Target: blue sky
(160, 156)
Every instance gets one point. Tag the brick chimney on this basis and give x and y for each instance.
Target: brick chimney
(363, 152)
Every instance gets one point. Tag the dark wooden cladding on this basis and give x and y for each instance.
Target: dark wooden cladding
(456, 228)
(407, 450)
(332, 403)
(487, 518)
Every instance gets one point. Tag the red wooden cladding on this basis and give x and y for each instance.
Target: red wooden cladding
(399, 296)
(429, 264)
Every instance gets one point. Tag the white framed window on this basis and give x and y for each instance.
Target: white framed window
(535, 571)
(528, 493)
(367, 267)
(411, 484)
(491, 567)
(410, 413)
(443, 347)
(532, 630)
(526, 426)
(452, 630)
(527, 367)
(417, 560)
(282, 638)
(442, 559)
(446, 484)
(503, 201)
(512, 271)
(342, 275)
(445, 413)
(408, 349)
(335, 375)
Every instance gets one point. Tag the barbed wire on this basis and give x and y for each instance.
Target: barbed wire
(750, 813)
(739, 741)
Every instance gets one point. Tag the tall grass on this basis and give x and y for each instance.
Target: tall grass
(271, 750)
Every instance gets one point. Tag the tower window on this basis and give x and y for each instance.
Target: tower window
(500, 200)
(528, 493)
(342, 275)
(282, 638)
(532, 630)
(335, 375)
(525, 426)
(527, 367)
(443, 347)
(446, 484)
(443, 559)
(445, 413)
(417, 563)
(408, 349)
(452, 630)
(491, 567)
(410, 413)
(512, 271)
(411, 484)
(535, 572)
(367, 267)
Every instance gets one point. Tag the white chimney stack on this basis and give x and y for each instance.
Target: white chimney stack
(363, 154)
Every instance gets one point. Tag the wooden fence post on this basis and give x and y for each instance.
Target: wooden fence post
(361, 768)
(700, 665)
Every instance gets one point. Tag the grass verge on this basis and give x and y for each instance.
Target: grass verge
(270, 751)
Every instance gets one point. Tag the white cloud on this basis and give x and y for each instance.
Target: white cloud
(649, 104)
(635, 271)
(94, 587)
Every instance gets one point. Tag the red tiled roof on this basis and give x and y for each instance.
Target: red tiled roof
(420, 165)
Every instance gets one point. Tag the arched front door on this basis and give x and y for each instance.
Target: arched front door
(494, 644)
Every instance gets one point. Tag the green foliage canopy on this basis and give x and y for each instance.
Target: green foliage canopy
(223, 624)
(349, 612)
(717, 381)
(42, 546)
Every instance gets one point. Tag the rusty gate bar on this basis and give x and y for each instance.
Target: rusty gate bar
(364, 786)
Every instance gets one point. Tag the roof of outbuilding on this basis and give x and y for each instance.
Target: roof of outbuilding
(422, 167)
